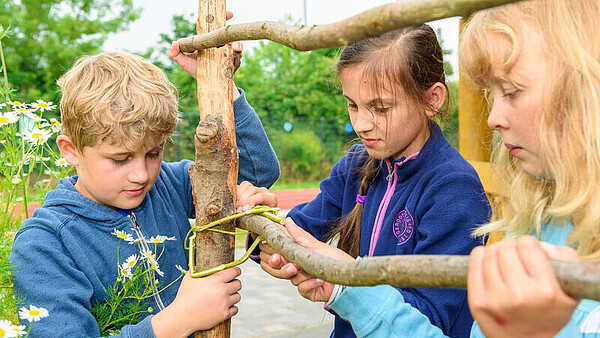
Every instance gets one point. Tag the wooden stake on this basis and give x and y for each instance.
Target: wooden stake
(214, 175)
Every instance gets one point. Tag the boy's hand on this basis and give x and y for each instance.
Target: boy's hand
(513, 291)
(200, 304)
(249, 196)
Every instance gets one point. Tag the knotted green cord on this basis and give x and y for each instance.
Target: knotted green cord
(262, 210)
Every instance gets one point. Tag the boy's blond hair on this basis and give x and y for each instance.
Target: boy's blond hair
(117, 98)
(569, 129)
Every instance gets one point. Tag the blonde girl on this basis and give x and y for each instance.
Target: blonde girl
(540, 61)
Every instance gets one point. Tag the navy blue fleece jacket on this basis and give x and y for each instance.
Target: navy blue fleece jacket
(427, 204)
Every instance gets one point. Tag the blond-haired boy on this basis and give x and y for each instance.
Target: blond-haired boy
(117, 112)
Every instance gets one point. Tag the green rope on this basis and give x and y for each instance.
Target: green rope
(261, 210)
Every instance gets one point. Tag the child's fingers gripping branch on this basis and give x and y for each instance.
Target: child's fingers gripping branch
(249, 196)
(312, 288)
(201, 303)
(512, 285)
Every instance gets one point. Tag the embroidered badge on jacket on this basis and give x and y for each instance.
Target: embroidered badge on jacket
(403, 226)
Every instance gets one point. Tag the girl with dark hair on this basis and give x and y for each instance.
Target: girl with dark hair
(405, 190)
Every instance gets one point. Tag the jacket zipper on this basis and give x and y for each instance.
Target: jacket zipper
(136, 227)
(391, 186)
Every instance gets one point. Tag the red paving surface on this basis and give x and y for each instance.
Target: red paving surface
(30, 208)
(289, 198)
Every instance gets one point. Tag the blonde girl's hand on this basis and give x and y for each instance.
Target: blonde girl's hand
(249, 196)
(513, 291)
(200, 304)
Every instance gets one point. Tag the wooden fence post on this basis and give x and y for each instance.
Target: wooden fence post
(214, 175)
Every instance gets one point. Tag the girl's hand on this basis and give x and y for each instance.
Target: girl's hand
(200, 304)
(512, 289)
(309, 287)
(249, 196)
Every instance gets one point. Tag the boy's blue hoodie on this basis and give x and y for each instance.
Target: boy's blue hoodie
(65, 256)
(426, 204)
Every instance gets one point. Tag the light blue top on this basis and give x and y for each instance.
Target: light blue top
(381, 312)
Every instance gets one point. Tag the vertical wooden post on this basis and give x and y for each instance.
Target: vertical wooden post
(474, 136)
(214, 175)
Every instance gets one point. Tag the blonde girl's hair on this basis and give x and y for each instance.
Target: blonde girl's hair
(569, 129)
(409, 58)
(117, 98)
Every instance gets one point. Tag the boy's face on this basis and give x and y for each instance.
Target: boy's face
(115, 177)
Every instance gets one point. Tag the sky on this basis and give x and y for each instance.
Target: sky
(156, 19)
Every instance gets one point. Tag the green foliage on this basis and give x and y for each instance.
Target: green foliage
(127, 301)
(47, 36)
(450, 125)
(300, 154)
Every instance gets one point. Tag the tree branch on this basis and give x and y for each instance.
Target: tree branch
(369, 23)
(580, 280)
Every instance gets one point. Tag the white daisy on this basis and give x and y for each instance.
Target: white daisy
(8, 118)
(16, 180)
(37, 136)
(122, 235)
(125, 272)
(19, 330)
(17, 104)
(56, 126)
(6, 329)
(178, 267)
(42, 106)
(33, 314)
(22, 111)
(148, 255)
(157, 268)
(61, 162)
(130, 262)
(156, 239)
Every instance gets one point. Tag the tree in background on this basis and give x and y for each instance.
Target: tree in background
(47, 36)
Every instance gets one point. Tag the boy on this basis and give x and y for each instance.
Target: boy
(117, 111)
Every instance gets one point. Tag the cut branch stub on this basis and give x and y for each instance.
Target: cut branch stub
(212, 196)
(580, 280)
(369, 23)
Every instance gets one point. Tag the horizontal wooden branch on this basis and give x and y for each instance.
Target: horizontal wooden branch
(580, 280)
(372, 22)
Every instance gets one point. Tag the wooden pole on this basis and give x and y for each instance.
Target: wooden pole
(577, 279)
(372, 22)
(214, 175)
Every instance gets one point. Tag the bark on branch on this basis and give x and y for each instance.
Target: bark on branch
(369, 23)
(580, 280)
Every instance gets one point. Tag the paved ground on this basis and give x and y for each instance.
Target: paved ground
(272, 307)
